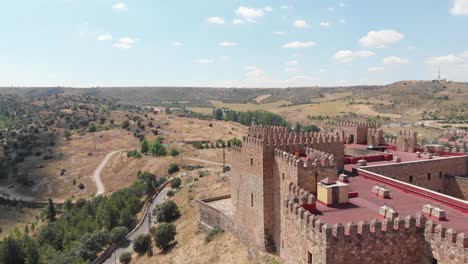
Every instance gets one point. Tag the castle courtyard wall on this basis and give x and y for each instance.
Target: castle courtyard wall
(427, 174)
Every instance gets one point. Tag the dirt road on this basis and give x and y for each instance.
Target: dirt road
(97, 172)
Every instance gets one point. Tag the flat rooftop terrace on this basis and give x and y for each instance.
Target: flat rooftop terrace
(404, 156)
(366, 206)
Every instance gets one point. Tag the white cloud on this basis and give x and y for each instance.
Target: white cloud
(292, 63)
(375, 69)
(343, 21)
(464, 54)
(215, 20)
(348, 55)
(237, 21)
(342, 4)
(125, 43)
(177, 44)
(381, 38)
(120, 7)
(395, 60)
(323, 70)
(460, 7)
(445, 60)
(290, 69)
(104, 37)
(279, 33)
(325, 24)
(205, 61)
(227, 44)
(299, 44)
(251, 14)
(301, 24)
(286, 7)
(331, 9)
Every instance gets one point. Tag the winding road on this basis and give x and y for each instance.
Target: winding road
(143, 228)
(98, 170)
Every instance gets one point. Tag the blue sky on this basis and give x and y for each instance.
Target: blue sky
(251, 43)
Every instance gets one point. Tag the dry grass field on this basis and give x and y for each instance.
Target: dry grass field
(15, 216)
(79, 157)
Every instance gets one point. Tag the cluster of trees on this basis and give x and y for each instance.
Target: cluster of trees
(308, 128)
(155, 148)
(219, 144)
(246, 118)
(83, 228)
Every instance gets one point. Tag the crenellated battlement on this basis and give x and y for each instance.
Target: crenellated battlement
(266, 130)
(364, 230)
(321, 159)
(355, 124)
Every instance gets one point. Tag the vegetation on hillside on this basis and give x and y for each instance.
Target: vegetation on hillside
(83, 228)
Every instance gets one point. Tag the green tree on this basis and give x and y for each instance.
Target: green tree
(125, 257)
(166, 212)
(117, 233)
(174, 152)
(176, 182)
(144, 146)
(67, 134)
(50, 211)
(165, 234)
(173, 168)
(92, 128)
(157, 149)
(10, 251)
(125, 124)
(141, 243)
(311, 128)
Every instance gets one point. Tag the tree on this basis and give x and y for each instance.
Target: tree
(157, 149)
(50, 210)
(142, 243)
(164, 235)
(173, 168)
(311, 128)
(166, 212)
(297, 128)
(174, 152)
(10, 251)
(92, 128)
(125, 124)
(125, 257)
(144, 146)
(175, 183)
(117, 233)
(67, 134)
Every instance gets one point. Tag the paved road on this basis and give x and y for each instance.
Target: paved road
(142, 229)
(98, 170)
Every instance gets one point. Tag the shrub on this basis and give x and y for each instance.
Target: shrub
(164, 235)
(166, 212)
(174, 152)
(125, 258)
(170, 193)
(173, 168)
(125, 124)
(133, 153)
(212, 234)
(175, 183)
(141, 243)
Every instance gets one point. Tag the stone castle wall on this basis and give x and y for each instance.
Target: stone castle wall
(210, 217)
(407, 141)
(456, 186)
(429, 174)
(402, 240)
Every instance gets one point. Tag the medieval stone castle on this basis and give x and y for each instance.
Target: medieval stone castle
(350, 196)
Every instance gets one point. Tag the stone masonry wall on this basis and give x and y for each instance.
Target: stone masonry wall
(247, 193)
(428, 174)
(456, 186)
(402, 240)
(210, 217)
